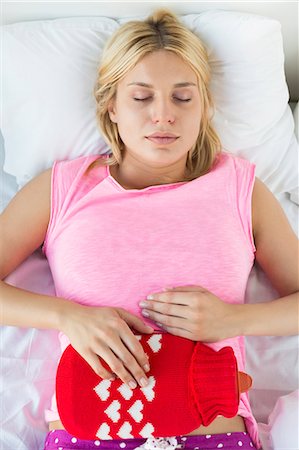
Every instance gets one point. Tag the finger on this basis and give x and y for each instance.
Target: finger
(176, 297)
(166, 308)
(134, 346)
(93, 360)
(185, 288)
(117, 363)
(165, 320)
(176, 331)
(134, 321)
(128, 362)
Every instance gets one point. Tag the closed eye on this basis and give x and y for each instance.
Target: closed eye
(141, 99)
(175, 98)
(183, 99)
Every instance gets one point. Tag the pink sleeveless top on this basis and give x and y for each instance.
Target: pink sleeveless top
(109, 246)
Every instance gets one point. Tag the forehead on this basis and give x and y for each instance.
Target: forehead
(161, 65)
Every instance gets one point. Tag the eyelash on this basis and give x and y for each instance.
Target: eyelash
(148, 98)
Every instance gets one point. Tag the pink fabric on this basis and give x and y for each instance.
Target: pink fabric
(108, 246)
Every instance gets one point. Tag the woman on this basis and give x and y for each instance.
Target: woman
(160, 235)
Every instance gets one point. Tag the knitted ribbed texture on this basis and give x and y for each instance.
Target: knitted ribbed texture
(189, 385)
(213, 382)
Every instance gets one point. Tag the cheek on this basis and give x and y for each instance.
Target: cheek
(130, 126)
(195, 118)
(131, 116)
(193, 123)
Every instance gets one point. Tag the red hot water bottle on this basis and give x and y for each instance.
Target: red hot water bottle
(189, 385)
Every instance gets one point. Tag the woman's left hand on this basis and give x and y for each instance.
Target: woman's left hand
(192, 312)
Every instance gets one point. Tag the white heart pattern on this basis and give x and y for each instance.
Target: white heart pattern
(147, 431)
(135, 411)
(125, 391)
(154, 342)
(148, 390)
(102, 389)
(103, 431)
(125, 431)
(113, 411)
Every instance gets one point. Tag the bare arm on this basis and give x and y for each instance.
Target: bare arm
(23, 227)
(92, 331)
(277, 254)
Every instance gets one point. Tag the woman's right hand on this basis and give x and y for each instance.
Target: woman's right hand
(105, 332)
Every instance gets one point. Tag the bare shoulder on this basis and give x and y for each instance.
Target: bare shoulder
(24, 222)
(275, 240)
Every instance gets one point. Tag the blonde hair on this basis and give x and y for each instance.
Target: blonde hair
(131, 42)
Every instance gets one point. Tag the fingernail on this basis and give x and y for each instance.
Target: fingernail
(150, 297)
(143, 382)
(142, 304)
(146, 367)
(145, 313)
(132, 384)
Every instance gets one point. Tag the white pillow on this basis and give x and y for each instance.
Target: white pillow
(50, 71)
(296, 119)
(48, 105)
(252, 116)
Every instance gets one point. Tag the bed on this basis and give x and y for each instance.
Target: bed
(50, 51)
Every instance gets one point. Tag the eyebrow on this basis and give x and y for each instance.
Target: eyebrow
(177, 85)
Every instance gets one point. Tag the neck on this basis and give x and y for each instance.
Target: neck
(140, 176)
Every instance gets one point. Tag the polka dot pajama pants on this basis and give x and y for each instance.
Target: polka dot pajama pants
(62, 440)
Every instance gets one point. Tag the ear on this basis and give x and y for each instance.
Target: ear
(112, 111)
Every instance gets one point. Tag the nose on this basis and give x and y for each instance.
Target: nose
(162, 111)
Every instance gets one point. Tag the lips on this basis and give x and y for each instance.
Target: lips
(162, 138)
